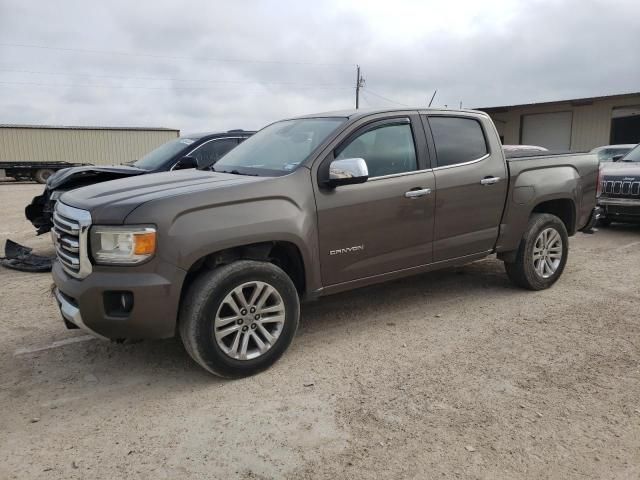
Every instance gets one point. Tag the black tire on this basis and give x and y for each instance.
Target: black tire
(521, 272)
(43, 174)
(205, 297)
(604, 222)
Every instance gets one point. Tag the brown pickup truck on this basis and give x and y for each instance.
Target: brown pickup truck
(308, 207)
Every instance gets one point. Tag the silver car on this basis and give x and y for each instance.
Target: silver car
(606, 153)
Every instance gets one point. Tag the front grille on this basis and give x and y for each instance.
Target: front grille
(620, 188)
(70, 233)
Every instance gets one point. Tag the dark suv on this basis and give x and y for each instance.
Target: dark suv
(191, 151)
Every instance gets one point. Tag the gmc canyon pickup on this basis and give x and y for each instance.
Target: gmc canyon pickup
(308, 207)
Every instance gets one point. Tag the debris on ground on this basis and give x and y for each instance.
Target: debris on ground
(19, 257)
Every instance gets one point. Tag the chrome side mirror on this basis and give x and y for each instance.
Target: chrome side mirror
(347, 172)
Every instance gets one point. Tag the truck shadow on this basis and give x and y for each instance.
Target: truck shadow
(425, 293)
(622, 227)
(161, 364)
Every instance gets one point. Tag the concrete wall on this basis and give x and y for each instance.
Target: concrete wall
(591, 125)
(79, 145)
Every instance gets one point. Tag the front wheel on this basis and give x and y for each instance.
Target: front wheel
(542, 253)
(238, 319)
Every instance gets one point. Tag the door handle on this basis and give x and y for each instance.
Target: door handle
(489, 180)
(419, 192)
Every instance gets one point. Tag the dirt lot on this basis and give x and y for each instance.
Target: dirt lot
(455, 374)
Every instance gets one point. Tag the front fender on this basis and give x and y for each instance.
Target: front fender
(193, 226)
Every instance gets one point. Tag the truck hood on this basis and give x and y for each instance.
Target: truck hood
(68, 178)
(111, 202)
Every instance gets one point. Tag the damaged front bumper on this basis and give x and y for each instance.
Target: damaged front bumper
(71, 313)
(19, 257)
(40, 211)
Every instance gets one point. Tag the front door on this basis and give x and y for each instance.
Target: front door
(386, 223)
(471, 179)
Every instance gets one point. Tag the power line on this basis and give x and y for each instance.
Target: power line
(145, 87)
(366, 99)
(171, 57)
(385, 98)
(127, 77)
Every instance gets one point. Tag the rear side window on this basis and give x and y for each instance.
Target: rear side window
(210, 152)
(458, 140)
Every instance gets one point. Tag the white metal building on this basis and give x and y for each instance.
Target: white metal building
(579, 124)
(95, 145)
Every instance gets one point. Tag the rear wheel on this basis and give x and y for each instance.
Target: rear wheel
(43, 174)
(542, 253)
(237, 320)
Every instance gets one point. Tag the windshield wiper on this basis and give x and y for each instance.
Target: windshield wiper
(234, 172)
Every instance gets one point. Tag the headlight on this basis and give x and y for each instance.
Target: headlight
(56, 194)
(125, 245)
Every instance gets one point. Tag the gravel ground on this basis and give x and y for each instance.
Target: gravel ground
(454, 374)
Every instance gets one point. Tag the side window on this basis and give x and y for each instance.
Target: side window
(387, 150)
(458, 140)
(212, 151)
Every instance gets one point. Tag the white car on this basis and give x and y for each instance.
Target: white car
(607, 153)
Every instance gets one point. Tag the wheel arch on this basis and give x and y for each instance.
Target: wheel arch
(563, 208)
(282, 253)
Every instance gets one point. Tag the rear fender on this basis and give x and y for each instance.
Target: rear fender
(530, 189)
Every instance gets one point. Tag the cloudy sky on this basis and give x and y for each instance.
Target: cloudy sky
(212, 65)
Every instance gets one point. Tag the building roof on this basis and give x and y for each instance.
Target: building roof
(75, 127)
(574, 101)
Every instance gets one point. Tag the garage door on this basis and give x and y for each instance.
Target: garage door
(550, 130)
(625, 125)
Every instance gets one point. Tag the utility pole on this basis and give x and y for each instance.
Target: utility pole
(359, 85)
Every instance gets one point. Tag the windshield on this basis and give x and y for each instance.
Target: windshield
(158, 157)
(608, 153)
(279, 148)
(633, 155)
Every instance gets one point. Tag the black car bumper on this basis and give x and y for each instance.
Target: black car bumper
(620, 209)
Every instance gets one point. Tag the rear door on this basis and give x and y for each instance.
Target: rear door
(471, 182)
(386, 223)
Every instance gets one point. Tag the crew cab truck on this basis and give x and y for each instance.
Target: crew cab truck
(308, 207)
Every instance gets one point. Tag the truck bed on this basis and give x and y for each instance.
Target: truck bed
(547, 178)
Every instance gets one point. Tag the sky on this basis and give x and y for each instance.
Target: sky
(218, 65)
